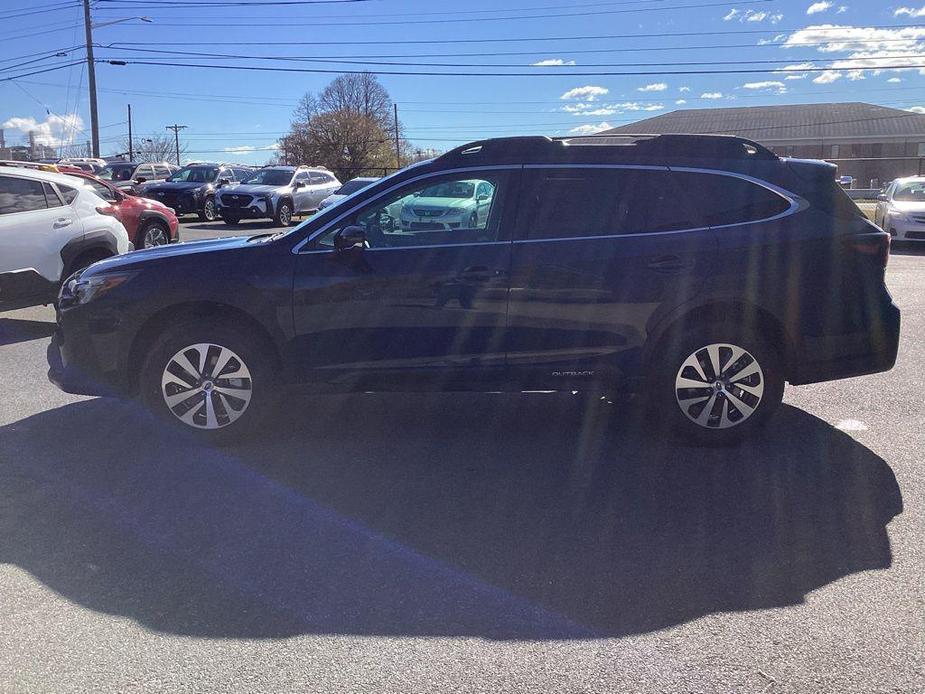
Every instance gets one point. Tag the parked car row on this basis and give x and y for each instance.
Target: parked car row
(901, 209)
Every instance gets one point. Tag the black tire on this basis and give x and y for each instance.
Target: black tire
(84, 261)
(152, 226)
(282, 216)
(473, 221)
(726, 405)
(230, 219)
(249, 375)
(208, 212)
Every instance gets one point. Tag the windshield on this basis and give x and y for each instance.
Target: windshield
(270, 177)
(117, 172)
(910, 192)
(352, 187)
(195, 174)
(453, 189)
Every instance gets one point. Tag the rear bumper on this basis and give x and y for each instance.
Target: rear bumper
(855, 354)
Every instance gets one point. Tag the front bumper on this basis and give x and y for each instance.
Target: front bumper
(903, 230)
(854, 354)
(180, 203)
(74, 375)
(258, 209)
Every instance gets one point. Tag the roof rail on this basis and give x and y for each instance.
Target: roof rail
(644, 144)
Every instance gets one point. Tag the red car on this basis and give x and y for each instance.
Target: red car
(148, 222)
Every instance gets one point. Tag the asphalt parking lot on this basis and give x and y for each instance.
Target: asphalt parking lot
(485, 543)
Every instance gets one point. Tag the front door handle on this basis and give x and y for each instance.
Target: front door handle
(62, 222)
(667, 263)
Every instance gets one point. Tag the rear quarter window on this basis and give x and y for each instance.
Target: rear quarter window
(718, 199)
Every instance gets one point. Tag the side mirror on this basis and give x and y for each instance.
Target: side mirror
(482, 197)
(882, 197)
(299, 184)
(350, 237)
(223, 182)
(140, 179)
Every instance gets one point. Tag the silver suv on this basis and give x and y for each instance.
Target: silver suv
(277, 193)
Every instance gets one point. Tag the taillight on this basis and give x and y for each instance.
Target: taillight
(876, 245)
(107, 210)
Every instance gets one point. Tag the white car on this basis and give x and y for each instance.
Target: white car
(901, 209)
(446, 206)
(349, 188)
(277, 193)
(51, 225)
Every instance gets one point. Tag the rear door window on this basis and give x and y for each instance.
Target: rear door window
(582, 202)
(719, 200)
(21, 195)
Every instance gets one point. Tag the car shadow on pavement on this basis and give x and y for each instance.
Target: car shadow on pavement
(493, 516)
(14, 330)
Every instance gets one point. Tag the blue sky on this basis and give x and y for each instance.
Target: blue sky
(843, 50)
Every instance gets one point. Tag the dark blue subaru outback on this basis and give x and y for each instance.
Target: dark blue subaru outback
(700, 271)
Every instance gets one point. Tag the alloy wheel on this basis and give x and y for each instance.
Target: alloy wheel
(719, 386)
(206, 386)
(285, 215)
(208, 211)
(155, 235)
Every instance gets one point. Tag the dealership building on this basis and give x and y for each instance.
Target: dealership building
(873, 144)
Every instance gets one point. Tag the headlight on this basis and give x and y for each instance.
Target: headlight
(901, 216)
(454, 212)
(76, 290)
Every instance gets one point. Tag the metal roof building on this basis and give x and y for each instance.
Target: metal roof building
(867, 142)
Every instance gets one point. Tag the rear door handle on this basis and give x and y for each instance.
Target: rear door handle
(667, 263)
(62, 222)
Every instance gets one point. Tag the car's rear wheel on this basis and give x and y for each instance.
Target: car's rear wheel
(209, 379)
(152, 233)
(283, 214)
(208, 213)
(716, 385)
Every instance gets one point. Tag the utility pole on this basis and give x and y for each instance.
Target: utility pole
(397, 148)
(130, 153)
(91, 81)
(176, 137)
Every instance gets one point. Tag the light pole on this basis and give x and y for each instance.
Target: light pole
(89, 26)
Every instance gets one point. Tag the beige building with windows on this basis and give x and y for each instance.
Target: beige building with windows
(867, 142)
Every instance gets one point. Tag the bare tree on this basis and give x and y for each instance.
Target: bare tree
(154, 147)
(347, 127)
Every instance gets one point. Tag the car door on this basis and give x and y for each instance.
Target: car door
(34, 226)
(598, 250)
(302, 196)
(322, 185)
(426, 303)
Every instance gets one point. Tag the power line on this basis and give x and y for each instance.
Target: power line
(228, 3)
(40, 72)
(598, 37)
(462, 19)
(919, 55)
(422, 73)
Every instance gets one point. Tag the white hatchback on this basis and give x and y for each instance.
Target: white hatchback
(51, 225)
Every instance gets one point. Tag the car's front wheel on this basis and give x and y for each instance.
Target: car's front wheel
(716, 385)
(209, 212)
(230, 219)
(283, 214)
(153, 233)
(209, 379)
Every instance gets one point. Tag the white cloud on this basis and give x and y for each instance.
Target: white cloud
(917, 109)
(753, 16)
(684, 89)
(601, 109)
(774, 85)
(587, 93)
(590, 129)
(54, 131)
(909, 11)
(795, 77)
(681, 102)
(827, 77)
(862, 49)
(841, 9)
(711, 95)
(243, 149)
(894, 80)
(552, 62)
(818, 7)
(654, 87)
